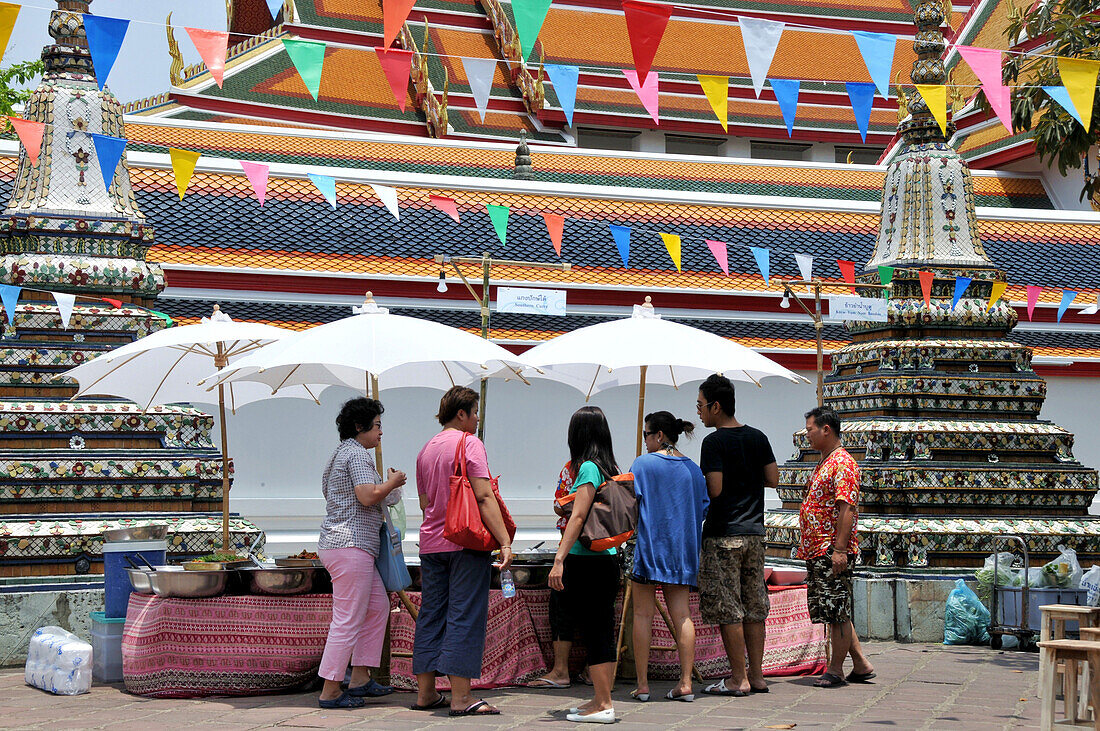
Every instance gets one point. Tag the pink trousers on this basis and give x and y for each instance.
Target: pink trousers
(360, 611)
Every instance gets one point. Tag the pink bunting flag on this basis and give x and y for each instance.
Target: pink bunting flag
(848, 271)
(30, 134)
(986, 64)
(647, 92)
(396, 65)
(211, 45)
(554, 226)
(256, 172)
(1033, 293)
(447, 205)
(721, 255)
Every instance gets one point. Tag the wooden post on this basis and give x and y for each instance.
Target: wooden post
(641, 408)
(818, 324)
(220, 361)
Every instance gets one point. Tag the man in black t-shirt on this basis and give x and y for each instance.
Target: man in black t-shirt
(738, 463)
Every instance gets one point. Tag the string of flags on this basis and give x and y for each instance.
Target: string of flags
(66, 302)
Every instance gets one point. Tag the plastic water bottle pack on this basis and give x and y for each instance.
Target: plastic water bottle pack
(59, 662)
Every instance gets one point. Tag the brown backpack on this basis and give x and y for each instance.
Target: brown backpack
(613, 516)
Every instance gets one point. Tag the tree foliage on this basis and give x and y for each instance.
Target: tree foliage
(1056, 28)
(17, 74)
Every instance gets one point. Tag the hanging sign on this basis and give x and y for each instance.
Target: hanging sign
(531, 301)
(862, 309)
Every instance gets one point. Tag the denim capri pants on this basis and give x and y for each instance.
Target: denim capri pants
(454, 607)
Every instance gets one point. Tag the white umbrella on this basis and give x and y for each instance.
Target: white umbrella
(166, 367)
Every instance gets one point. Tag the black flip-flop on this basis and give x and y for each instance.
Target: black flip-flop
(344, 700)
(474, 710)
(765, 689)
(828, 680)
(439, 702)
(854, 677)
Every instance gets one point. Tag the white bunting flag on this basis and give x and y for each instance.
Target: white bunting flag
(805, 266)
(64, 307)
(761, 38)
(479, 73)
(388, 196)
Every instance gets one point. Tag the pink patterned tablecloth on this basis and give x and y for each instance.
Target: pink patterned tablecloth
(229, 645)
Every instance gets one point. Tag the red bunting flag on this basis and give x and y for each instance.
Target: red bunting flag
(117, 304)
(394, 14)
(848, 271)
(211, 45)
(1033, 293)
(926, 287)
(554, 226)
(447, 205)
(645, 22)
(396, 65)
(30, 134)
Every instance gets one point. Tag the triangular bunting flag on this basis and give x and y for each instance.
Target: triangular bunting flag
(935, 96)
(847, 271)
(445, 204)
(1033, 293)
(926, 279)
(717, 91)
(564, 79)
(862, 96)
(645, 24)
(786, 93)
(9, 295)
(998, 290)
(554, 226)
(30, 134)
(986, 65)
(672, 245)
(763, 263)
(8, 14)
(211, 45)
(65, 304)
(1061, 95)
(877, 50)
(1079, 78)
(308, 58)
(621, 234)
(885, 274)
(529, 16)
(961, 283)
(646, 92)
(721, 255)
(256, 172)
(104, 39)
(805, 264)
(479, 74)
(183, 167)
(394, 15)
(326, 186)
(274, 7)
(396, 65)
(388, 196)
(499, 216)
(1068, 296)
(108, 151)
(761, 38)
(117, 304)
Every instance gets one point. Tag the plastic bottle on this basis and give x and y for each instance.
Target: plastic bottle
(507, 585)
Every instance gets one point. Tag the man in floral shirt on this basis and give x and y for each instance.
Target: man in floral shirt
(829, 544)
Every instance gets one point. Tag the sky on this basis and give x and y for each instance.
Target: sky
(142, 66)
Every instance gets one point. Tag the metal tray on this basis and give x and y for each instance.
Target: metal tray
(189, 584)
(281, 581)
(299, 563)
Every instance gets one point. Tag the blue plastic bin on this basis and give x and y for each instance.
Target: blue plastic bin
(116, 582)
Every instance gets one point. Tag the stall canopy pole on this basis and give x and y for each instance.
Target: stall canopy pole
(221, 361)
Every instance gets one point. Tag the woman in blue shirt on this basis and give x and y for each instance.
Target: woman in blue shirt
(590, 579)
(672, 502)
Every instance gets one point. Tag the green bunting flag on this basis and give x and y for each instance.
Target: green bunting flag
(885, 276)
(499, 216)
(529, 15)
(308, 57)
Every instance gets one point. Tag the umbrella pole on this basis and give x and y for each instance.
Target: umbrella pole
(220, 361)
(641, 409)
(378, 447)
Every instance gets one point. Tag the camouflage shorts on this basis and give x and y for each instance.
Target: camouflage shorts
(731, 580)
(828, 596)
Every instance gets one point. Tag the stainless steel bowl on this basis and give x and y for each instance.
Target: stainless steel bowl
(280, 581)
(136, 533)
(188, 584)
(139, 579)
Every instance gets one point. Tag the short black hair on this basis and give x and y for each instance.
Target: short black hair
(357, 415)
(718, 388)
(824, 416)
(458, 398)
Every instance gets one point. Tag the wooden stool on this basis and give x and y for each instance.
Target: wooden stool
(1052, 626)
(1068, 652)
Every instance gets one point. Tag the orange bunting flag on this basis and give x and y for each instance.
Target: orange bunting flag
(998, 290)
(394, 14)
(30, 134)
(211, 45)
(396, 65)
(926, 287)
(554, 226)
(8, 13)
(848, 271)
(445, 204)
(935, 96)
(183, 167)
(672, 244)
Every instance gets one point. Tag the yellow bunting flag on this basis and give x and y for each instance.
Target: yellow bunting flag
(672, 243)
(183, 166)
(8, 14)
(935, 96)
(1079, 78)
(998, 290)
(717, 89)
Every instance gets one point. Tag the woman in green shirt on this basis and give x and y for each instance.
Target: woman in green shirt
(590, 579)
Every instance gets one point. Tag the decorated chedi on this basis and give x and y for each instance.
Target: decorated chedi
(939, 407)
(75, 248)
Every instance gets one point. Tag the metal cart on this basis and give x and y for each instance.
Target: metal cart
(1023, 631)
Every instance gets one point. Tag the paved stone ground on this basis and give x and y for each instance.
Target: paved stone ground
(918, 687)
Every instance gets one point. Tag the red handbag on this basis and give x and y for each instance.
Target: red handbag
(463, 524)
